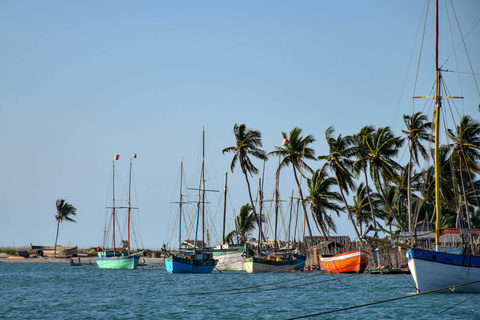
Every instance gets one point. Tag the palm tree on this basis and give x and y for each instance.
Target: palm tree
(321, 199)
(340, 164)
(418, 130)
(245, 224)
(361, 164)
(382, 146)
(248, 143)
(64, 211)
(294, 152)
(361, 207)
(466, 151)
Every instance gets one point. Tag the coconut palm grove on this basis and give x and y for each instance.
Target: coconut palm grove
(361, 176)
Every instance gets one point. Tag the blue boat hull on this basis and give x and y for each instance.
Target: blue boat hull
(175, 264)
(300, 262)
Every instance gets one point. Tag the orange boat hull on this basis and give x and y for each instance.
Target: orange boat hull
(348, 262)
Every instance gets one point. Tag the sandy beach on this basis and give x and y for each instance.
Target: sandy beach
(5, 258)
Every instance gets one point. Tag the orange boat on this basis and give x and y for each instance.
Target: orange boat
(349, 262)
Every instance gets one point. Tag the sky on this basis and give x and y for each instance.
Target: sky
(82, 81)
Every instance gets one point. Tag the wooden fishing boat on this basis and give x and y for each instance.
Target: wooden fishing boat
(230, 257)
(49, 251)
(269, 264)
(116, 259)
(188, 262)
(348, 262)
(388, 271)
(274, 262)
(194, 260)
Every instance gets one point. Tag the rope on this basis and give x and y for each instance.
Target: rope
(460, 302)
(382, 301)
(251, 287)
(297, 285)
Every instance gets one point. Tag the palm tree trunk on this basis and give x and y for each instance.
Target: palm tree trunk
(465, 197)
(253, 206)
(56, 238)
(368, 197)
(348, 210)
(303, 204)
(320, 225)
(402, 227)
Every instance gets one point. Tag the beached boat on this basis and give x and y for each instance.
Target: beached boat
(49, 251)
(348, 262)
(119, 259)
(439, 268)
(194, 260)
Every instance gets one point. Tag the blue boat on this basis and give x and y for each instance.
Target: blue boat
(202, 262)
(195, 260)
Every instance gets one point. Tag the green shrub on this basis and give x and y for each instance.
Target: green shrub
(9, 251)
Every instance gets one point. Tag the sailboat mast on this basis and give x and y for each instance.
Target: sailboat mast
(180, 208)
(260, 199)
(129, 204)
(224, 208)
(290, 220)
(276, 210)
(129, 198)
(438, 105)
(113, 204)
(203, 189)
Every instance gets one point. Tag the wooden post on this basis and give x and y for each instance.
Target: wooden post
(315, 257)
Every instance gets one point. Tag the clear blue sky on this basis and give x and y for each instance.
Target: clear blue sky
(82, 81)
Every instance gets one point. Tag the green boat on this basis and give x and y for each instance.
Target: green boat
(113, 258)
(107, 260)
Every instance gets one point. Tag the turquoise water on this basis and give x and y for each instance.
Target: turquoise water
(57, 291)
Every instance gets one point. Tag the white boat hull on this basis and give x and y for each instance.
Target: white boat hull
(230, 262)
(435, 270)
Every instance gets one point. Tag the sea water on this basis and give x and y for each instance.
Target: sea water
(59, 291)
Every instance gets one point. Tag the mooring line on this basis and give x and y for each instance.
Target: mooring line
(297, 285)
(460, 302)
(409, 282)
(381, 301)
(251, 287)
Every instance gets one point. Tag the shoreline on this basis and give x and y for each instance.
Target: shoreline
(86, 260)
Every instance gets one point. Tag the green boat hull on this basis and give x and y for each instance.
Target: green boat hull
(122, 262)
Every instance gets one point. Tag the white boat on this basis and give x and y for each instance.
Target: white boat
(435, 269)
(229, 257)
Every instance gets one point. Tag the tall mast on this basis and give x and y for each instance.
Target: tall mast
(438, 105)
(224, 208)
(203, 189)
(260, 199)
(180, 206)
(290, 220)
(276, 209)
(129, 200)
(113, 200)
